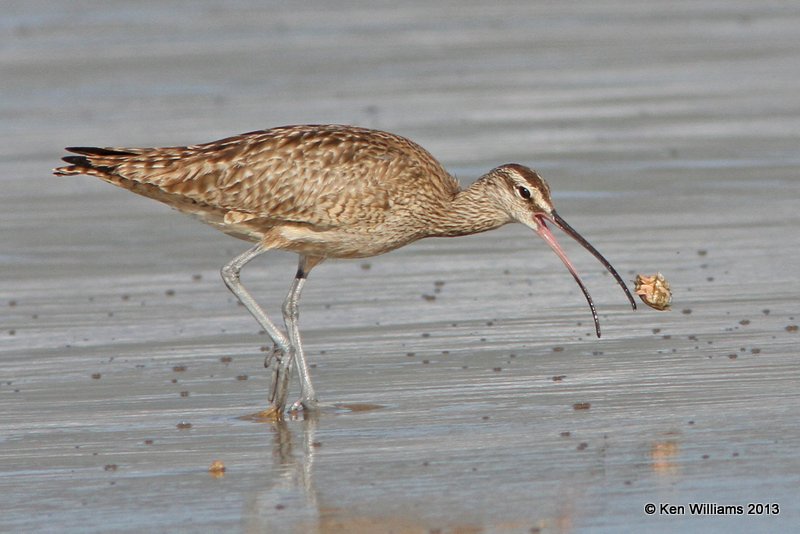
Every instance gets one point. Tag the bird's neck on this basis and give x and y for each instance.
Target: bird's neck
(471, 211)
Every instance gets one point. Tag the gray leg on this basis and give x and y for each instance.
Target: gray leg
(291, 314)
(281, 376)
(281, 372)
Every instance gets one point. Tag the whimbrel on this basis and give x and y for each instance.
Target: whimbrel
(325, 191)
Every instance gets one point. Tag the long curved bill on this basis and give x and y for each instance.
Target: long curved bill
(545, 233)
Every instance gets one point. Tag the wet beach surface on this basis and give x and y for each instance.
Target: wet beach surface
(463, 389)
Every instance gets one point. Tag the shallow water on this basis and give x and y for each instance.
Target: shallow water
(669, 137)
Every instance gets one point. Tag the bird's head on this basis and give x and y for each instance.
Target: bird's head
(526, 198)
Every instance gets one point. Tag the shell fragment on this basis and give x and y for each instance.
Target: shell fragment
(654, 291)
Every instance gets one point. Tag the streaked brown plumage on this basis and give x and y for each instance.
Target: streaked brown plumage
(286, 185)
(323, 191)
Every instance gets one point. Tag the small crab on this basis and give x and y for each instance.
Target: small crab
(654, 291)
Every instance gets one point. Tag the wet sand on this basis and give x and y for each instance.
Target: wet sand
(464, 389)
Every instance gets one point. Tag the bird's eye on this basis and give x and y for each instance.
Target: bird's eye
(523, 192)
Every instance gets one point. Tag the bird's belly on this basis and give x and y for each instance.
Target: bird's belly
(334, 243)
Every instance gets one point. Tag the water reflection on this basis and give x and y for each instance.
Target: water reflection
(290, 497)
(664, 457)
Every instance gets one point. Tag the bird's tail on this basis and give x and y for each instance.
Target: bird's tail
(94, 161)
(113, 165)
(105, 163)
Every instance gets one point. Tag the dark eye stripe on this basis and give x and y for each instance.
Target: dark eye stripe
(523, 192)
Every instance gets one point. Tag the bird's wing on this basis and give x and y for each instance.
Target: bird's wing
(319, 175)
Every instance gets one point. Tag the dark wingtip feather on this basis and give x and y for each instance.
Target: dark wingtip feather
(81, 165)
(81, 161)
(97, 151)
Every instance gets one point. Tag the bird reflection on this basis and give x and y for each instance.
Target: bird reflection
(290, 498)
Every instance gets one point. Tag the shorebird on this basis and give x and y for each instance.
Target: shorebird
(325, 191)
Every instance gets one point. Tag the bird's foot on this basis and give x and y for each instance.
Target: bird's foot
(304, 406)
(277, 354)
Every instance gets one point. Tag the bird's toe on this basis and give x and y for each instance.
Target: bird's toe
(304, 405)
(277, 355)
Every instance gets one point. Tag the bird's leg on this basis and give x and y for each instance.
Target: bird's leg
(281, 376)
(281, 372)
(291, 314)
